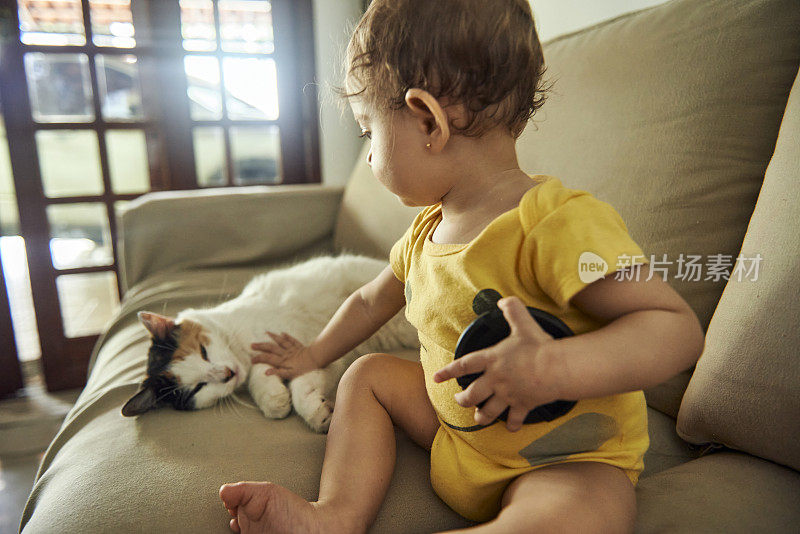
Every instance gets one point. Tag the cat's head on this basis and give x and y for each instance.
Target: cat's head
(188, 367)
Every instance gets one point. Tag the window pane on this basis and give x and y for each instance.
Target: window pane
(118, 82)
(197, 25)
(127, 161)
(60, 87)
(20, 297)
(251, 88)
(79, 235)
(246, 26)
(112, 23)
(209, 155)
(256, 155)
(9, 216)
(70, 163)
(202, 80)
(43, 22)
(87, 302)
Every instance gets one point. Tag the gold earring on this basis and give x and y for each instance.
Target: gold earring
(428, 145)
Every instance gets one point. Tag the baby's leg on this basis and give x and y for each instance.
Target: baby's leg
(376, 391)
(569, 497)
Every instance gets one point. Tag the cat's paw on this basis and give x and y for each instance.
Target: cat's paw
(320, 419)
(270, 393)
(275, 405)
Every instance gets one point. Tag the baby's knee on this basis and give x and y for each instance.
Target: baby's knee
(366, 370)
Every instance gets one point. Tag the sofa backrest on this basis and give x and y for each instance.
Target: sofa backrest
(670, 114)
(371, 218)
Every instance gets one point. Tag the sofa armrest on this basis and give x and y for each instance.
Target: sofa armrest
(181, 230)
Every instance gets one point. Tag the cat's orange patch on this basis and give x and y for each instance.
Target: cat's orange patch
(192, 336)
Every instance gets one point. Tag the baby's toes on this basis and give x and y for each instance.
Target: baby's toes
(268, 507)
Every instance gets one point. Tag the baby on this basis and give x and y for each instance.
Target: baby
(443, 89)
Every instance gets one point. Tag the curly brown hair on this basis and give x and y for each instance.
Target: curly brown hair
(485, 55)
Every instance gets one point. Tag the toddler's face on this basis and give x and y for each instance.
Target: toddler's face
(398, 155)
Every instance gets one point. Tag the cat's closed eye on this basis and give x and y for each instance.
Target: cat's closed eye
(203, 353)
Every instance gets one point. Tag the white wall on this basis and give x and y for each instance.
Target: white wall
(339, 142)
(338, 133)
(557, 17)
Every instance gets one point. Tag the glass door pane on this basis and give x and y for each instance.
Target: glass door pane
(251, 88)
(112, 23)
(60, 87)
(256, 153)
(87, 302)
(246, 26)
(69, 161)
(42, 23)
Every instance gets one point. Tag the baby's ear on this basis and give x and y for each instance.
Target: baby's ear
(158, 325)
(143, 401)
(432, 118)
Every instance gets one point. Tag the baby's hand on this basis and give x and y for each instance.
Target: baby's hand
(288, 357)
(518, 372)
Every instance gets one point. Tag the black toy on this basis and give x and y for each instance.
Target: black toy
(489, 329)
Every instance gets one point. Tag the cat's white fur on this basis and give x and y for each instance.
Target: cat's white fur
(298, 300)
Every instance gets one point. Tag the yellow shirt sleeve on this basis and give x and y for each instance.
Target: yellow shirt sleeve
(400, 253)
(581, 240)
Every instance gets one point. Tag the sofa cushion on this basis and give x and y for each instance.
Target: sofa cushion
(725, 491)
(745, 391)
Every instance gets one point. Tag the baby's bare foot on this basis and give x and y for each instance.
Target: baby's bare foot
(267, 507)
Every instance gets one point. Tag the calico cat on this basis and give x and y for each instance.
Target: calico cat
(203, 355)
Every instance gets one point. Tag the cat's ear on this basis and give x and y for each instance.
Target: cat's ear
(143, 401)
(158, 325)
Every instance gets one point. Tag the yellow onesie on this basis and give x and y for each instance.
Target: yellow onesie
(544, 251)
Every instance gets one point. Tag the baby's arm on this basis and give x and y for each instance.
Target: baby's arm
(360, 316)
(650, 334)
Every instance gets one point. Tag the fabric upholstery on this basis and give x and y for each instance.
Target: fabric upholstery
(370, 218)
(158, 231)
(745, 391)
(723, 492)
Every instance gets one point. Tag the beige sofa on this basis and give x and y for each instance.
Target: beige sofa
(677, 115)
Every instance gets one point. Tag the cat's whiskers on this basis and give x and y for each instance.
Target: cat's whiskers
(233, 408)
(237, 400)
